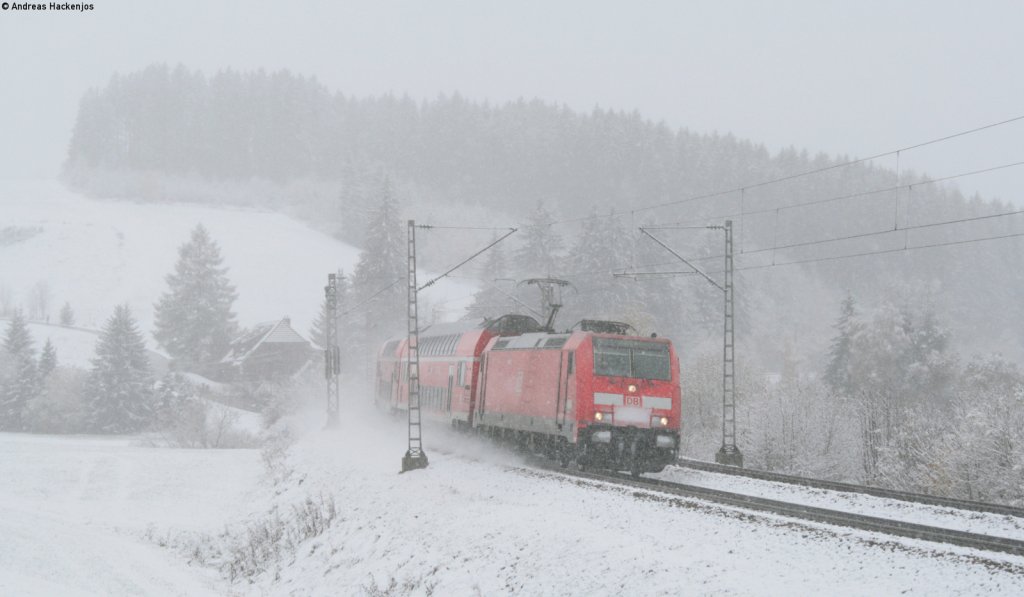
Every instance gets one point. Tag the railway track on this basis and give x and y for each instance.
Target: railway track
(807, 513)
(917, 498)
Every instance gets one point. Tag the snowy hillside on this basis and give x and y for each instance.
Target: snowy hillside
(95, 254)
(85, 515)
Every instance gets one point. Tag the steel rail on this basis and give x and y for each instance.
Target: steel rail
(808, 513)
(918, 498)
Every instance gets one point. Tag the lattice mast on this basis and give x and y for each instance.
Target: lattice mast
(332, 353)
(414, 457)
(729, 453)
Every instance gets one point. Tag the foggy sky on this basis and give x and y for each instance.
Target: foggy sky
(853, 78)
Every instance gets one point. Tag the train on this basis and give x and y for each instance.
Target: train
(592, 396)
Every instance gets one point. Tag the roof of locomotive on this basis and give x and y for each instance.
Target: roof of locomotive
(505, 325)
(454, 327)
(561, 340)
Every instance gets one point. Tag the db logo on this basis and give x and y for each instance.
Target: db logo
(632, 401)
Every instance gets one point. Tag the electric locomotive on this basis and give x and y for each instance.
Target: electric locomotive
(595, 395)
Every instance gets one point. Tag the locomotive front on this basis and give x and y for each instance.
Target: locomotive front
(628, 403)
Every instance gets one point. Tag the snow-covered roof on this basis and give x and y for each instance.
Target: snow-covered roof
(271, 332)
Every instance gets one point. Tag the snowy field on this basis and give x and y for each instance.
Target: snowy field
(84, 515)
(95, 254)
(108, 516)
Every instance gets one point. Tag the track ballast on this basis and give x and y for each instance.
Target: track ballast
(917, 498)
(807, 513)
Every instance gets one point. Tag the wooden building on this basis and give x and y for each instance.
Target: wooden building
(268, 351)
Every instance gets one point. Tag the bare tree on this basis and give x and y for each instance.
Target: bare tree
(6, 300)
(67, 315)
(39, 300)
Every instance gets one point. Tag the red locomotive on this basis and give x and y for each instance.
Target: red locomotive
(594, 395)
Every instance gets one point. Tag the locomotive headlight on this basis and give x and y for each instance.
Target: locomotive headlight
(664, 421)
(632, 388)
(599, 416)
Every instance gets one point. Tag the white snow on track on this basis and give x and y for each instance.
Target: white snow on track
(998, 525)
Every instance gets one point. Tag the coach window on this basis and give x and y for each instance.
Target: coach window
(462, 373)
(572, 362)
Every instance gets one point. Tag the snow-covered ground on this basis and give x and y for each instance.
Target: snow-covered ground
(477, 521)
(95, 254)
(76, 346)
(999, 525)
(84, 515)
(89, 516)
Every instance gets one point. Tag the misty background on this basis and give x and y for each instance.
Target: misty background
(177, 178)
(841, 78)
(578, 123)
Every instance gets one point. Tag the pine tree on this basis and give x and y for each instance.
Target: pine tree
(602, 248)
(318, 331)
(194, 321)
(492, 301)
(119, 391)
(377, 281)
(837, 373)
(538, 257)
(67, 316)
(20, 381)
(47, 360)
(172, 392)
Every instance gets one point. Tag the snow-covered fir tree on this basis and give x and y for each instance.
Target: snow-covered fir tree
(377, 280)
(494, 298)
(20, 380)
(194, 321)
(346, 329)
(538, 257)
(119, 392)
(837, 373)
(171, 393)
(67, 315)
(47, 360)
(603, 247)
(318, 331)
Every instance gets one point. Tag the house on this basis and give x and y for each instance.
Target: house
(268, 351)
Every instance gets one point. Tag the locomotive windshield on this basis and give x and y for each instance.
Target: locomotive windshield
(631, 358)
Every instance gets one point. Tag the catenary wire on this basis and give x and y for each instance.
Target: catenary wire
(744, 188)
